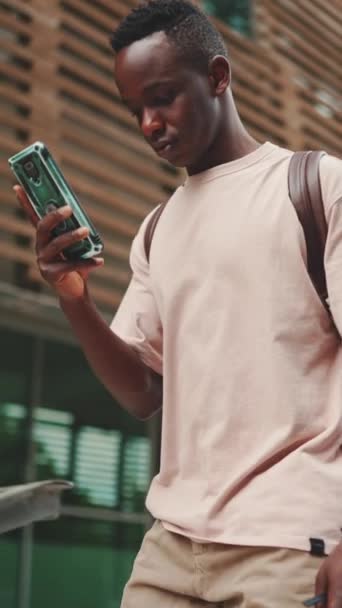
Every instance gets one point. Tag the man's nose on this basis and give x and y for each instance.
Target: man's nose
(151, 123)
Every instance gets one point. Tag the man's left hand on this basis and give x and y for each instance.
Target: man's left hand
(329, 579)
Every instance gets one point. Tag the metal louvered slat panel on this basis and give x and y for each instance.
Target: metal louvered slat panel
(56, 85)
(52, 447)
(136, 470)
(97, 465)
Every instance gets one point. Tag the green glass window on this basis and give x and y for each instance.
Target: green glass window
(82, 563)
(9, 559)
(15, 387)
(108, 468)
(52, 407)
(84, 435)
(235, 13)
(15, 382)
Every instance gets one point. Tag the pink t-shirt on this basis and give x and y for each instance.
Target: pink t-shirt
(252, 408)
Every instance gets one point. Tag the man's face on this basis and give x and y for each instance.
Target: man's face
(173, 103)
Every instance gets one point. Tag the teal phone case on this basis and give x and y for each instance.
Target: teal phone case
(47, 189)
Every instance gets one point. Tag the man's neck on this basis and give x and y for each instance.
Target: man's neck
(233, 141)
(233, 150)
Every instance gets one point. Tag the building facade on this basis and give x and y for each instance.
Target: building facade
(56, 86)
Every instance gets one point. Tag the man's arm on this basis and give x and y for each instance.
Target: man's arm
(331, 183)
(117, 365)
(329, 578)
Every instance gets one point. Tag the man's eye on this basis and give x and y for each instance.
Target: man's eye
(164, 100)
(135, 113)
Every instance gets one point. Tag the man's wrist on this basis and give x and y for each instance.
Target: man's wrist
(71, 302)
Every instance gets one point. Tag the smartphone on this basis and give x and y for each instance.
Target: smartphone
(318, 599)
(46, 188)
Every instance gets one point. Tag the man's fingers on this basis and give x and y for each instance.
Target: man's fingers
(92, 264)
(334, 599)
(56, 272)
(321, 586)
(56, 246)
(49, 222)
(330, 588)
(329, 579)
(26, 205)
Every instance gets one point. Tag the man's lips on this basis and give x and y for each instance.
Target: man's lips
(162, 145)
(165, 149)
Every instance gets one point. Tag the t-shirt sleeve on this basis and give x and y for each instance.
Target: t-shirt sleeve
(331, 180)
(137, 320)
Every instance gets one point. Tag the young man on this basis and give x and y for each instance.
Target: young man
(248, 501)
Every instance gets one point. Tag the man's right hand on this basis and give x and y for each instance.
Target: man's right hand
(117, 364)
(68, 279)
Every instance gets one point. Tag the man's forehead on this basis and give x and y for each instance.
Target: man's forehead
(154, 55)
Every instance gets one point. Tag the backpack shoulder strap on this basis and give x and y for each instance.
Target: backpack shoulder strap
(150, 228)
(306, 195)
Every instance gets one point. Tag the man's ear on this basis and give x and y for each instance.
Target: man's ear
(219, 75)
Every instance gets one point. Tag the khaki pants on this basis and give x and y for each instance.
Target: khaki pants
(171, 571)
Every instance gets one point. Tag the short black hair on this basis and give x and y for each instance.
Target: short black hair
(193, 34)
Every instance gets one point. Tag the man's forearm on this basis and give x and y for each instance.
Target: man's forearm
(117, 365)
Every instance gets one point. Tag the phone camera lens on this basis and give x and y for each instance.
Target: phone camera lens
(31, 170)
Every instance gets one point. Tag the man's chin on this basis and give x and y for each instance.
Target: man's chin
(175, 160)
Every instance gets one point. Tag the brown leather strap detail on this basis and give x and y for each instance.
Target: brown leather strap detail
(150, 228)
(306, 195)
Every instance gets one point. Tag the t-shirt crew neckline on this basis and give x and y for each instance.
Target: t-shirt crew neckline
(233, 166)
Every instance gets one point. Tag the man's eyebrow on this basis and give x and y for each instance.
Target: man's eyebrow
(150, 88)
(154, 85)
